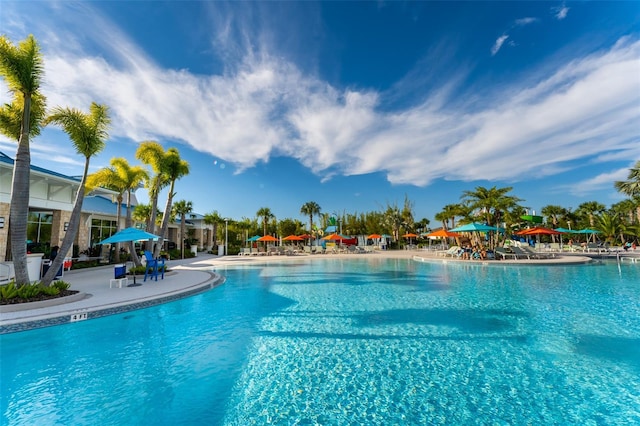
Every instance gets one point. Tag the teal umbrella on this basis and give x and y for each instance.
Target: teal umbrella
(587, 231)
(474, 227)
(129, 234)
(566, 231)
(254, 238)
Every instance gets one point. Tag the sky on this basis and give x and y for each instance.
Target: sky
(353, 105)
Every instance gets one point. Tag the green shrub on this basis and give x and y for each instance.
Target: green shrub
(8, 291)
(29, 291)
(61, 285)
(49, 291)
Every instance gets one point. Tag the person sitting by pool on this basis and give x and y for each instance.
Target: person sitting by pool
(627, 246)
(467, 252)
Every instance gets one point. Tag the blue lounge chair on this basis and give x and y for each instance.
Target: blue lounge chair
(153, 266)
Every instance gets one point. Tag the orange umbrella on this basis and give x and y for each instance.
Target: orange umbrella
(292, 238)
(374, 237)
(538, 230)
(305, 236)
(334, 237)
(268, 238)
(409, 235)
(443, 233)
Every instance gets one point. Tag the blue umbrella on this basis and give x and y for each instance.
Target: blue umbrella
(587, 231)
(129, 234)
(566, 231)
(254, 238)
(474, 227)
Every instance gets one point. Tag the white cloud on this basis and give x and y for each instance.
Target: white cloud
(597, 183)
(560, 12)
(525, 21)
(498, 44)
(265, 106)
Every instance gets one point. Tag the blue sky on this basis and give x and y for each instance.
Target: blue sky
(353, 105)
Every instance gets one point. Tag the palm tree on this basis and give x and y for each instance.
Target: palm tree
(182, 208)
(492, 203)
(265, 214)
(631, 187)
(172, 168)
(214, 219)
(123, 179)
(22, 69)
(393, 220)
(553, 214)
(152, 154)
(588, 210)
(88, 132)
(309, 209)
(609, 226)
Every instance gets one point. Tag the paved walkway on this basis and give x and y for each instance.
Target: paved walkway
(187, 277)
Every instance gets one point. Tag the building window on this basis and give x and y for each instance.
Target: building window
(101, 229)
(39, 225)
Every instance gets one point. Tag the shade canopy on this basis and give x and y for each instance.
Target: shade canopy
(474, 227)
(374, 237)
(292, 238)
(335, 237)
(409, 235)
(267, 238)
(587, 231)
(254, 238)
(538, 230)
(442, 233)
(305, 236)
(566, 231)
(130, 234)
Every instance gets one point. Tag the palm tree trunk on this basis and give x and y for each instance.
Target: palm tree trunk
(19, 210)
(165, 220)
(128, 223)
(72, 230)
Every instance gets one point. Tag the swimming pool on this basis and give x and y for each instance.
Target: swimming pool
(353, 341)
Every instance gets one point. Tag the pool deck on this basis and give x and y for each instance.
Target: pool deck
(192, 276)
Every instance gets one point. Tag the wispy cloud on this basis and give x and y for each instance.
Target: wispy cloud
(498, 44)
(265, 106)
(525, 21)
(597, 183)
(560, 12)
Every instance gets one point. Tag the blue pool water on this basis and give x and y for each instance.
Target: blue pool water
(354, 341)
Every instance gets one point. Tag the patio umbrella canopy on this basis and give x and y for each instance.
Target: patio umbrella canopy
(254, 238)
(588, 232)
(443, 233)
(335, 237)
(292, 238)
(538, 230)
(374, 237)
(130, 234)
(268, 238)
(474, 227)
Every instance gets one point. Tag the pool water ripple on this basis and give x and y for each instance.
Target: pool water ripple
(338, 342)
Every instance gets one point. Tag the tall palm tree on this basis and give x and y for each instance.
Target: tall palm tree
(173, 168)
(88, 132)
(587, 212)
(491, 203)
(182, 208)
(214, 219)
(265, 214)
(553, 214)
(393, 220)
(631, 187)
(152, 153)
(309, 209)
(22, 68)
(123, 179)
